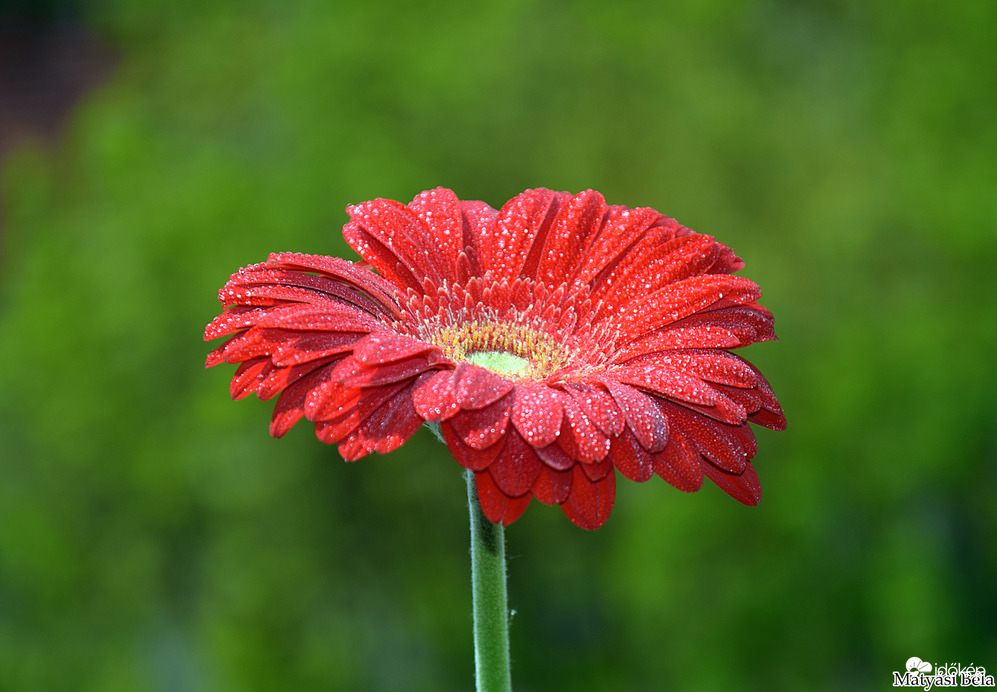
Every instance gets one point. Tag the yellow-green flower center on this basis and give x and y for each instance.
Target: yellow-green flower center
(501, 362)
(514, 350)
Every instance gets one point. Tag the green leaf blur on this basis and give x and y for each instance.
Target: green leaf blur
(153, 536)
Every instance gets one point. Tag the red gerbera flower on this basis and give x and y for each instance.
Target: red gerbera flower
(554, 341)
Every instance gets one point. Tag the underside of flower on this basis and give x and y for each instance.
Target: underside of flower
(555, 341)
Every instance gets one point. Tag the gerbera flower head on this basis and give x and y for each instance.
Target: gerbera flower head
(555, 342)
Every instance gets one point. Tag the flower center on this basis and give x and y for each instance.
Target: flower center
(501, 362)
(512, 350)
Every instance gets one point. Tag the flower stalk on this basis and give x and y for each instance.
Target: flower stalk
(488, 588)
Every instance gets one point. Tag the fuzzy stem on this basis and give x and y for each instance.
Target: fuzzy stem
(491, 614)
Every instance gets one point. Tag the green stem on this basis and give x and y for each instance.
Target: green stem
(491, 613)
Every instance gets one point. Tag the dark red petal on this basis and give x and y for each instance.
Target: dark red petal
(381, 290)
(318, 317)
(361, 406)
(600, 408)
(650, 266)
(434, 397)
(679, 463)
(622, 229)
(536, 413)
(352, 373)
(297, 348)
(385, 430)
(522, 224)
(248, 376)
(728, 446)
(576, 225)
(683, 298)
(391, 237)
(380, 347)
(499, 508)
(552, 486)
(713, 365)
(329, 399)
(477, 387)
(579, 438)
(555, 457)
(290, 407)
(589, 503)
(598, 470)
(478, 227)
(744, 487)
(516, 468)
(645, 420)
(439, 211)
(630, 459)
(667, 381)
(469, 457)
(482, 428)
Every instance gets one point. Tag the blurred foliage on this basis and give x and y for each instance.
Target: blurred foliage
(152, 535)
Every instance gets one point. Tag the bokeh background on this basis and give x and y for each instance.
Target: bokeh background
(153, 536)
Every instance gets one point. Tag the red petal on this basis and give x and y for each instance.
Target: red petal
(439, 211)
(360, 409)
(434, 397)
(630, 459)
(382, 291)
(713, 365)
(499, 508)
(248, 377)
(477, 387)
(318, 317)
(645, 420)
(469, 457)
(555, 457)
(536, 413)
(667, 381)
(352, 373)
(578, 221)
(391, 237)
(483, 427)
(521, 225)
(516, 468)
(745, 488)
(600, 408)
(385, 430)
(651, 266)
(579, 438)
(589, 504)
(552, 487)
(621, 230)
(683, 298)
(478, 226)
(381, 347)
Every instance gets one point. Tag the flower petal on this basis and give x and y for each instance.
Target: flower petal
(552, 486)
(578, 220)
(477, 387)
(516, 468)
(643, 417)
(466, 456)
(499, 508)
(579, 437)
(481, 428)
(381, 347)
(744, 487)
(434, 397)
(521, 225)
(630, 459)
(536, 413)
(589, 503)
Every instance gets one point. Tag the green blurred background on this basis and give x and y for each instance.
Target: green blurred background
(153, 536)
